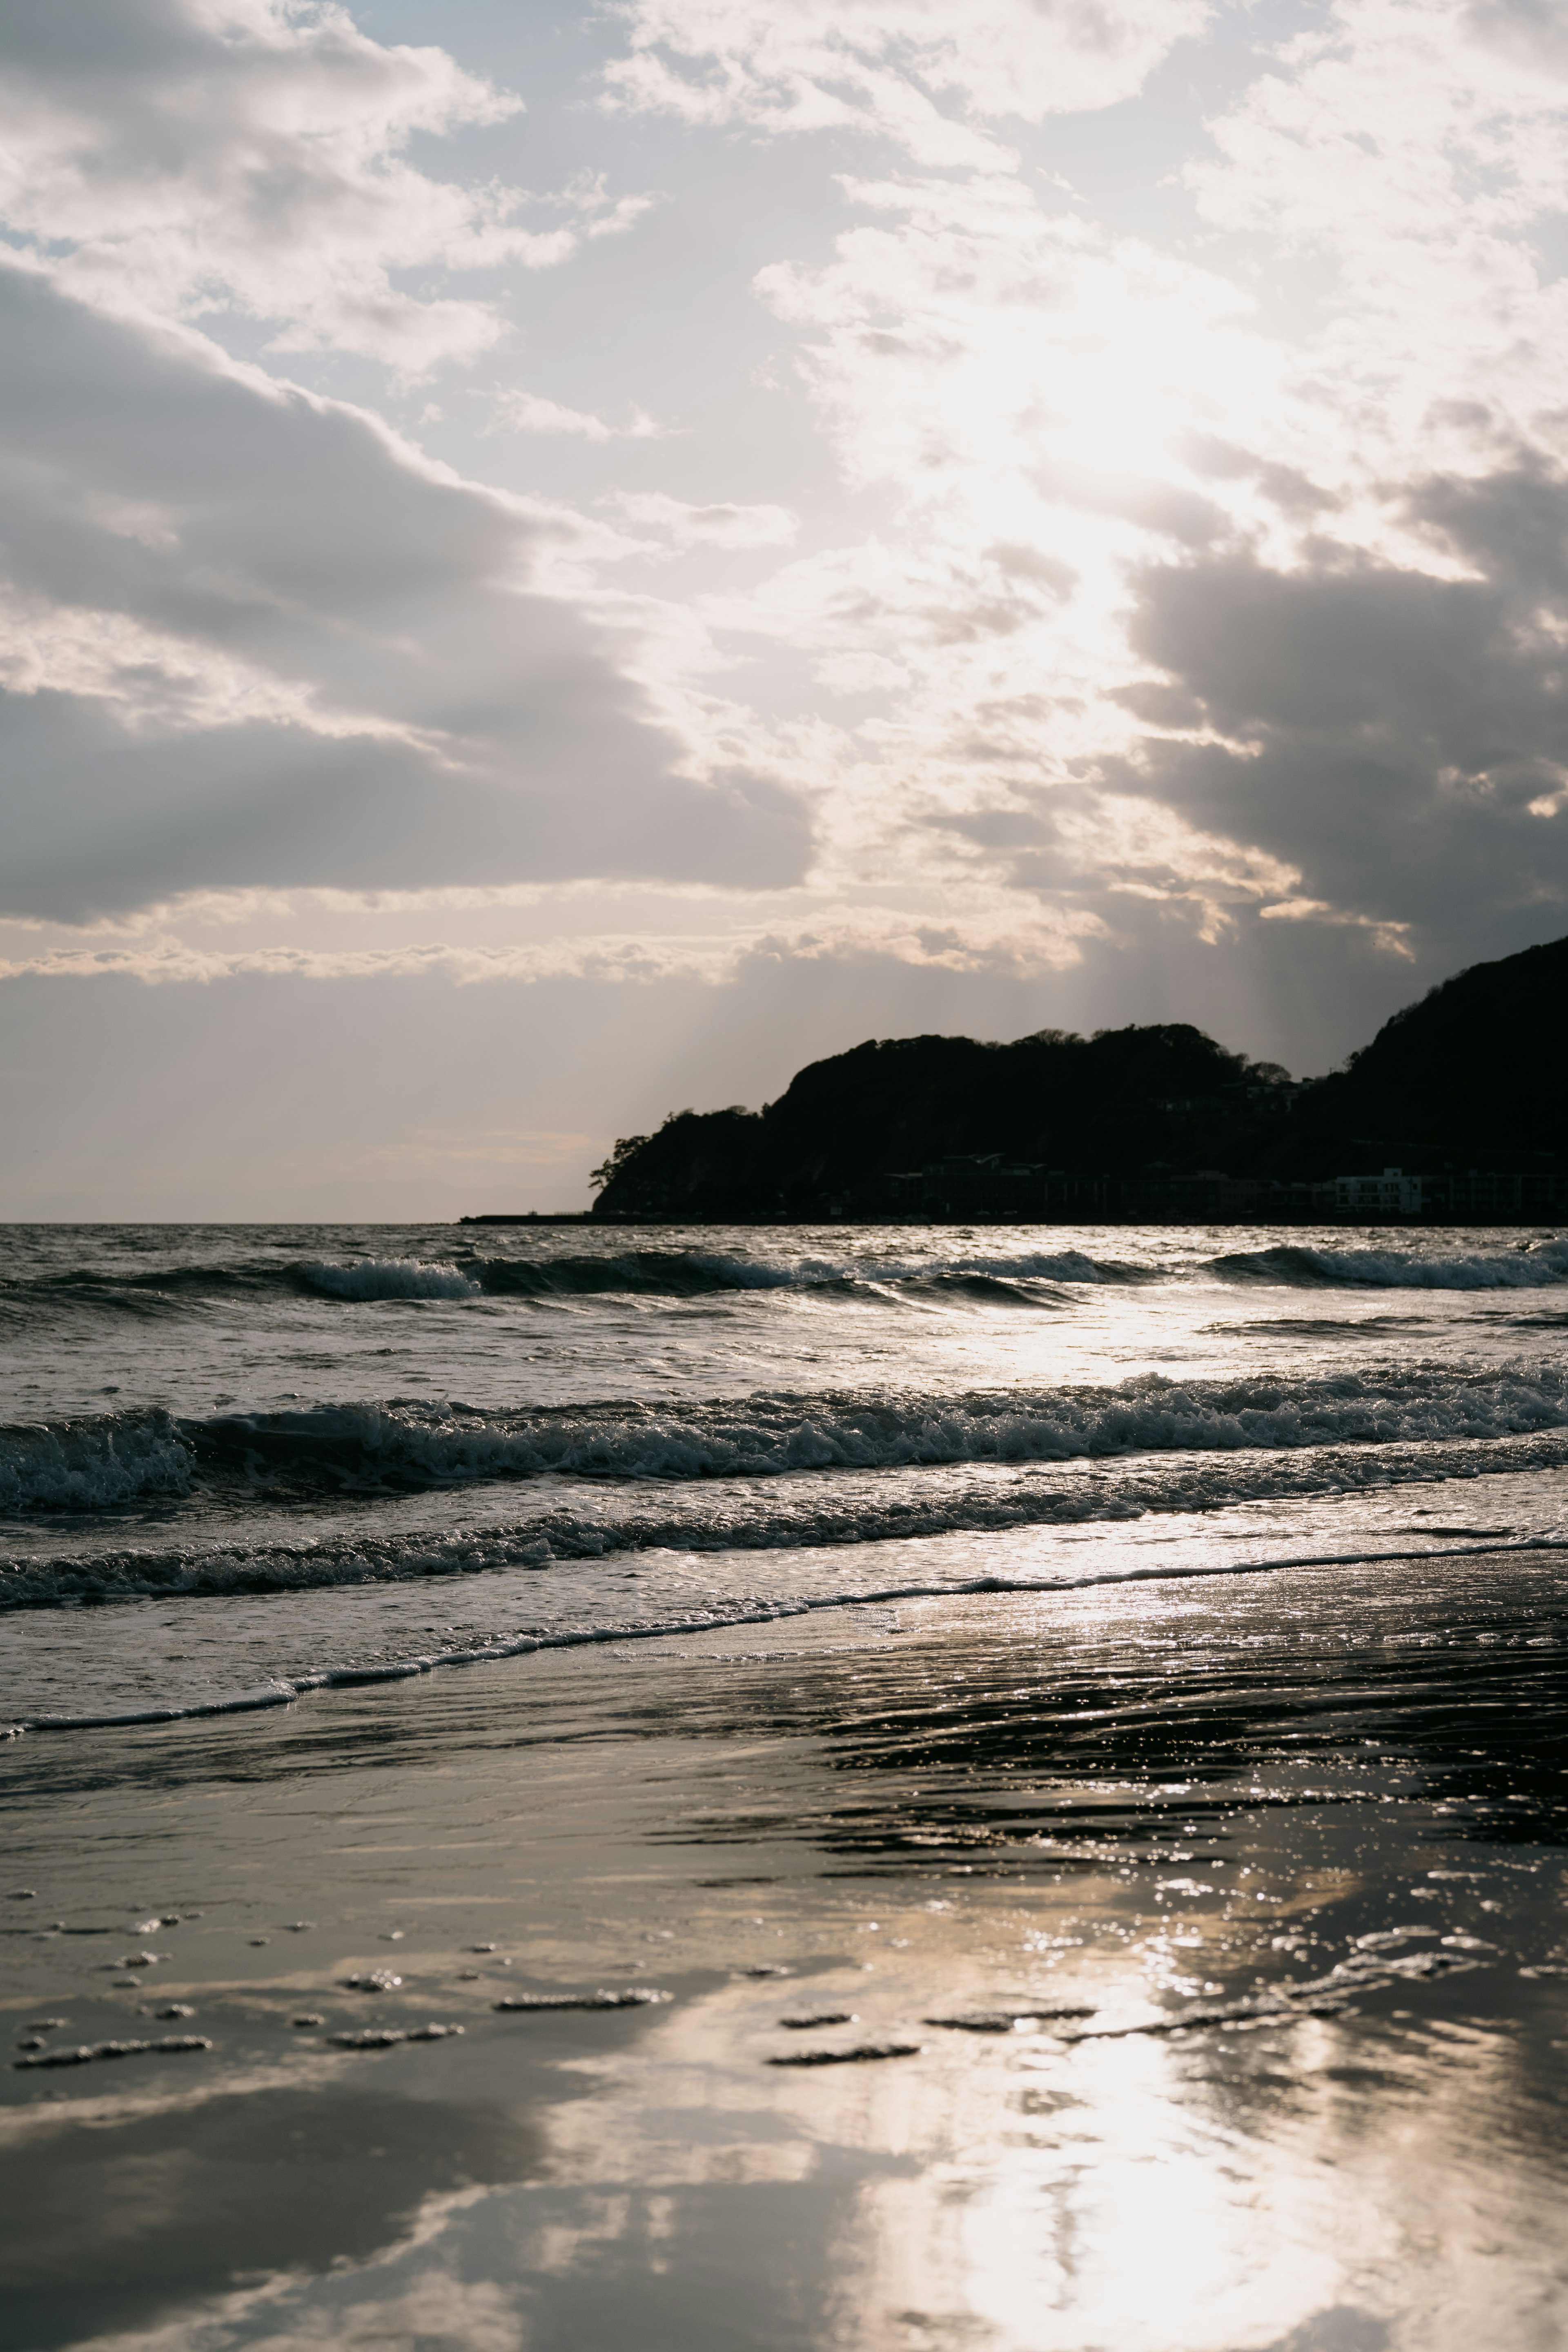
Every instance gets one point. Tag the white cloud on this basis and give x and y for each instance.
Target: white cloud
(1389, 122)
(255, 640)
(189, 156)
(956, 935)
(530, 411)
(985, 363)
(1393, 938)
(1420, 160)
(155, 681)
(1285, 572)
(884, 65)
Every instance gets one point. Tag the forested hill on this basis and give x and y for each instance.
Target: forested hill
(1478, 1067)
(896, 1104)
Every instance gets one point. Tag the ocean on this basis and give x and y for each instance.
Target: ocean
(264, 1457)
(853, 1787)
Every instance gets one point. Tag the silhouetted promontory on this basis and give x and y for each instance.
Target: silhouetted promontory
(1457, 1109)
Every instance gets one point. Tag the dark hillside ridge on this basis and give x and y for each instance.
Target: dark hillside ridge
(1143, 1122)
(1479, 1062)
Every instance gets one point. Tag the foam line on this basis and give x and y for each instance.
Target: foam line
(790, 1516)
(282, 1694)
(403, 1444)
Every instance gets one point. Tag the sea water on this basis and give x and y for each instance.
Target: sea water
(836, 1790)
(240, 1462)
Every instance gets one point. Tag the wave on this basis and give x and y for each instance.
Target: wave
(407, 1445)
(1068, 1266)
(163, 1288)
(737, 1518)
(1042, 1278)
(655, 1273)
(736, 1615)
(1537, 1266)
(97, 1461)
(388, 1278)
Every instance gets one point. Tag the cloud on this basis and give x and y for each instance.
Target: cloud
(257, 640)
(192, 157)
(1380, 669)
(1392, 938)
(1530, 31)
(1388, 125)
(1201, 579)
(528, 412)
(724, 525)
(885, 65)
(1391, 734)
(958, 938)
(984, 363)
(1282, 575)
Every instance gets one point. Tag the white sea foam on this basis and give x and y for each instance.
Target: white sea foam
(1427, 1263)
(84, 2054)
(390, 1277)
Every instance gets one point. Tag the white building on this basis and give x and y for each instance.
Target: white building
(1392, 1194)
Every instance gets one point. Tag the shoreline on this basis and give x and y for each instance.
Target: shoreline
(1083, 1894)
(286, 1692)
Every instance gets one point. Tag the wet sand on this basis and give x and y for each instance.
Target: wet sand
(1220, 1932)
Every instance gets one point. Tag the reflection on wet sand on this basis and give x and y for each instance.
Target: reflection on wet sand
(180, 2200)
(1224, 1937)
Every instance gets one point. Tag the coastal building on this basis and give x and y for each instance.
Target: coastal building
(1392, 1194)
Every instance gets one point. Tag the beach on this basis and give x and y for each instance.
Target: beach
(1092, 1878)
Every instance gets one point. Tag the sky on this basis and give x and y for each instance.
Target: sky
(558, 562)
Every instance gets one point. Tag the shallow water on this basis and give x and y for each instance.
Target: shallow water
(1119, 1674)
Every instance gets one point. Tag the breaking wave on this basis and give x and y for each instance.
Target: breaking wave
(409, 1445)
(652, 1273)
(1537, 1266)
(738, 1517)
(389, 1277)
(85, 1465)
(1037, 1277)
